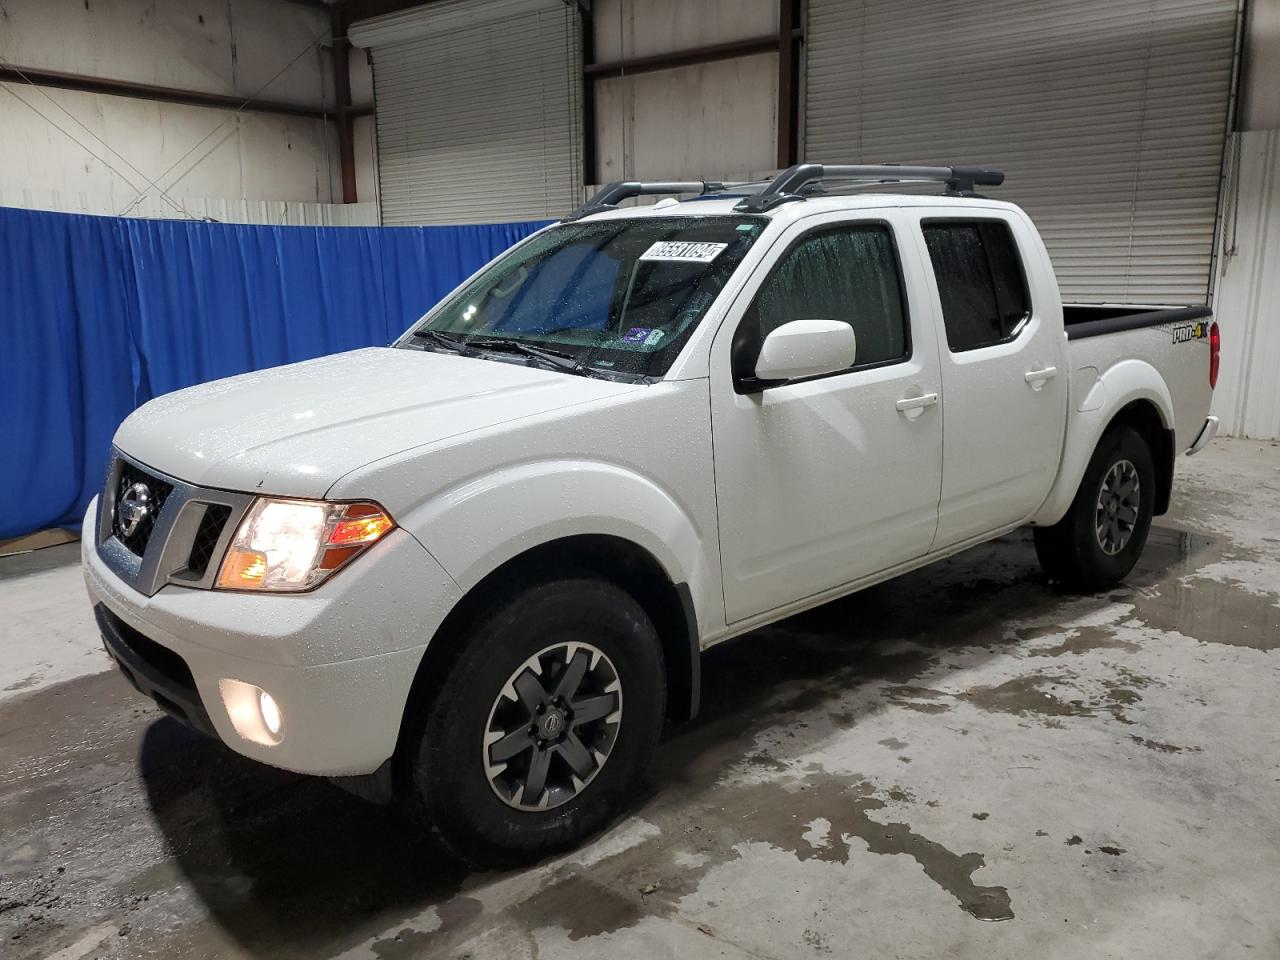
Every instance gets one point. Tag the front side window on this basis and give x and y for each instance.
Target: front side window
(980, 281)
(615, 297)
(847, 273)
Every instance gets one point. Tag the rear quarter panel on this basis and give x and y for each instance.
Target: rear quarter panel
(1165, 365)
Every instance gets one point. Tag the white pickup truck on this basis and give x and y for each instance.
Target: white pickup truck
(476, 569)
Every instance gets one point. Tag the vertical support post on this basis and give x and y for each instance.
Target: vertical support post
(787, 83)
(589, 132)
(342, 106)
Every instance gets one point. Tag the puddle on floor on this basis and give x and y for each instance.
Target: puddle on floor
(1170, 593)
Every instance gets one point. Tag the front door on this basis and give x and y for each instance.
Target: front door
(825, 481)
(1004, 374)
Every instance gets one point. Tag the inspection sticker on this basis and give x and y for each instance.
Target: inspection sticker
(684, 250)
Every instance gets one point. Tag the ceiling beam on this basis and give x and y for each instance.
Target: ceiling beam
(684, 58)
(353, 11)
(146, 91)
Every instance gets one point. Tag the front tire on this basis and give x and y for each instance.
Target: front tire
(542, 729)
(1102, 535)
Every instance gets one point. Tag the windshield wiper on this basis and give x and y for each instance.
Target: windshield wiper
(444, 339)
(558, 359)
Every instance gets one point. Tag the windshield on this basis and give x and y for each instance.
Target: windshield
(611, 297)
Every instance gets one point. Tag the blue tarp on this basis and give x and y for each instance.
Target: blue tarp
(100, 314)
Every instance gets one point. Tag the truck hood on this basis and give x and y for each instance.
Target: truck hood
(294, 430)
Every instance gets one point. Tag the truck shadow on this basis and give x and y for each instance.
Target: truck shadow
(293, 866)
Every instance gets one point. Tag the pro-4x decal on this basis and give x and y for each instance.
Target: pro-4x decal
(1190, 331)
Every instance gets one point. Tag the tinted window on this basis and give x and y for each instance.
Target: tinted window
(843, 273)
(980, 281)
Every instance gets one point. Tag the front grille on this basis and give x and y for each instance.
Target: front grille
(157, 492)
(211, 524)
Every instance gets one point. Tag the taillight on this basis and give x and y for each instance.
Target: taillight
(1215, 344)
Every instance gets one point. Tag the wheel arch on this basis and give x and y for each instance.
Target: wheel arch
(1144, 417)
(1133, 393)
(622, 562)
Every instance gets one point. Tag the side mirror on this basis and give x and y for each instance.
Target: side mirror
(806, 348)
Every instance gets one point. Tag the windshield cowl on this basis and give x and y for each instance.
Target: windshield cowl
(516, 351)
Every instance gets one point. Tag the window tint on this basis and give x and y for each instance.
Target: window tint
(980, 281)
(842, 273)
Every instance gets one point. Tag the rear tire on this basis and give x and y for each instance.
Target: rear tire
(1102, 535)
(558, 693)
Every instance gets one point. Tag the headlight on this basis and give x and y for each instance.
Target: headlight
(292, 545)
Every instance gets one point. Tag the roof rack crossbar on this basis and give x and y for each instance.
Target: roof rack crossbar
(789, 184)
(611, 194)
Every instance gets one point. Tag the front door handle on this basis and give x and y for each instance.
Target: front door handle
(913, 406)
(1037, 378)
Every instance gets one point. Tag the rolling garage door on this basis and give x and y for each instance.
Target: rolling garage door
(478, 110)
(1108, 117)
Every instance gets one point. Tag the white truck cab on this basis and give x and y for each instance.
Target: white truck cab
(475, 569)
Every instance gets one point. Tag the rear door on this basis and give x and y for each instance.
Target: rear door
(1004, 372)
(824, 481)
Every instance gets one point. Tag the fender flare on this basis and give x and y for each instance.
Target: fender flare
(475, 526)
(1096, 405)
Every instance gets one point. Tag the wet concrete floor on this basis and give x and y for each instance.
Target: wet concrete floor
(963, 762)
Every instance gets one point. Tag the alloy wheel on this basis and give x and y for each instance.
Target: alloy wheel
(1116, 514)
(553, 726)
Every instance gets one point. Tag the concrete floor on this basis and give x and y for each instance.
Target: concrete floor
(873, 779)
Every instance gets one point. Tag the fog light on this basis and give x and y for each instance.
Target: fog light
(253, 712)
(270, 712)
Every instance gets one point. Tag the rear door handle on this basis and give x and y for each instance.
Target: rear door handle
(907, 404)
(1040, 376)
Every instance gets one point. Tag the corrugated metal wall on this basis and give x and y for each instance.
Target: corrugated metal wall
(1107, 115)
(293, 213)
(1247, 300)
(478, 110)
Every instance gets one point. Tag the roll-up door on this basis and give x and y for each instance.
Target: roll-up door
(1108, 117)
(478, 110)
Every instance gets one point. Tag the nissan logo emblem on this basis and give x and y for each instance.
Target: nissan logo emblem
(133, 508)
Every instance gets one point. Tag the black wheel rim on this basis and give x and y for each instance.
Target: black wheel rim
(553, 726)
(1116, 515)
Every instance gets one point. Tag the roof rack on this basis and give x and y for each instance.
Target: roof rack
(790, 183)
(611, 194)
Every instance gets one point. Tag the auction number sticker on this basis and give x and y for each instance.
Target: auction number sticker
(684, 251)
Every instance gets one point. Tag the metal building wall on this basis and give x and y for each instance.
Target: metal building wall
(715, 120)
(1107, 115)
(56, 145)
(294, 213)
(1247, 299)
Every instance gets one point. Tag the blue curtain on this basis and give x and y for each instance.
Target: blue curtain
(100, 314)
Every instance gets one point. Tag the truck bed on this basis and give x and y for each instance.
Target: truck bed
(1095, 319)
(1174, 340)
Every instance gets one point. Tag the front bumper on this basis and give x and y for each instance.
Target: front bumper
(339, 661)
(154, 671)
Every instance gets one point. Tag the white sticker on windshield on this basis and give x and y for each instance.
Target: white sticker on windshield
(684, 250)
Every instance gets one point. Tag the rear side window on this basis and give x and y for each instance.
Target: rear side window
(980, 281)
(847, 273)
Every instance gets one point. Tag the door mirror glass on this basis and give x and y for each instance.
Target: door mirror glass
(806, 348)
